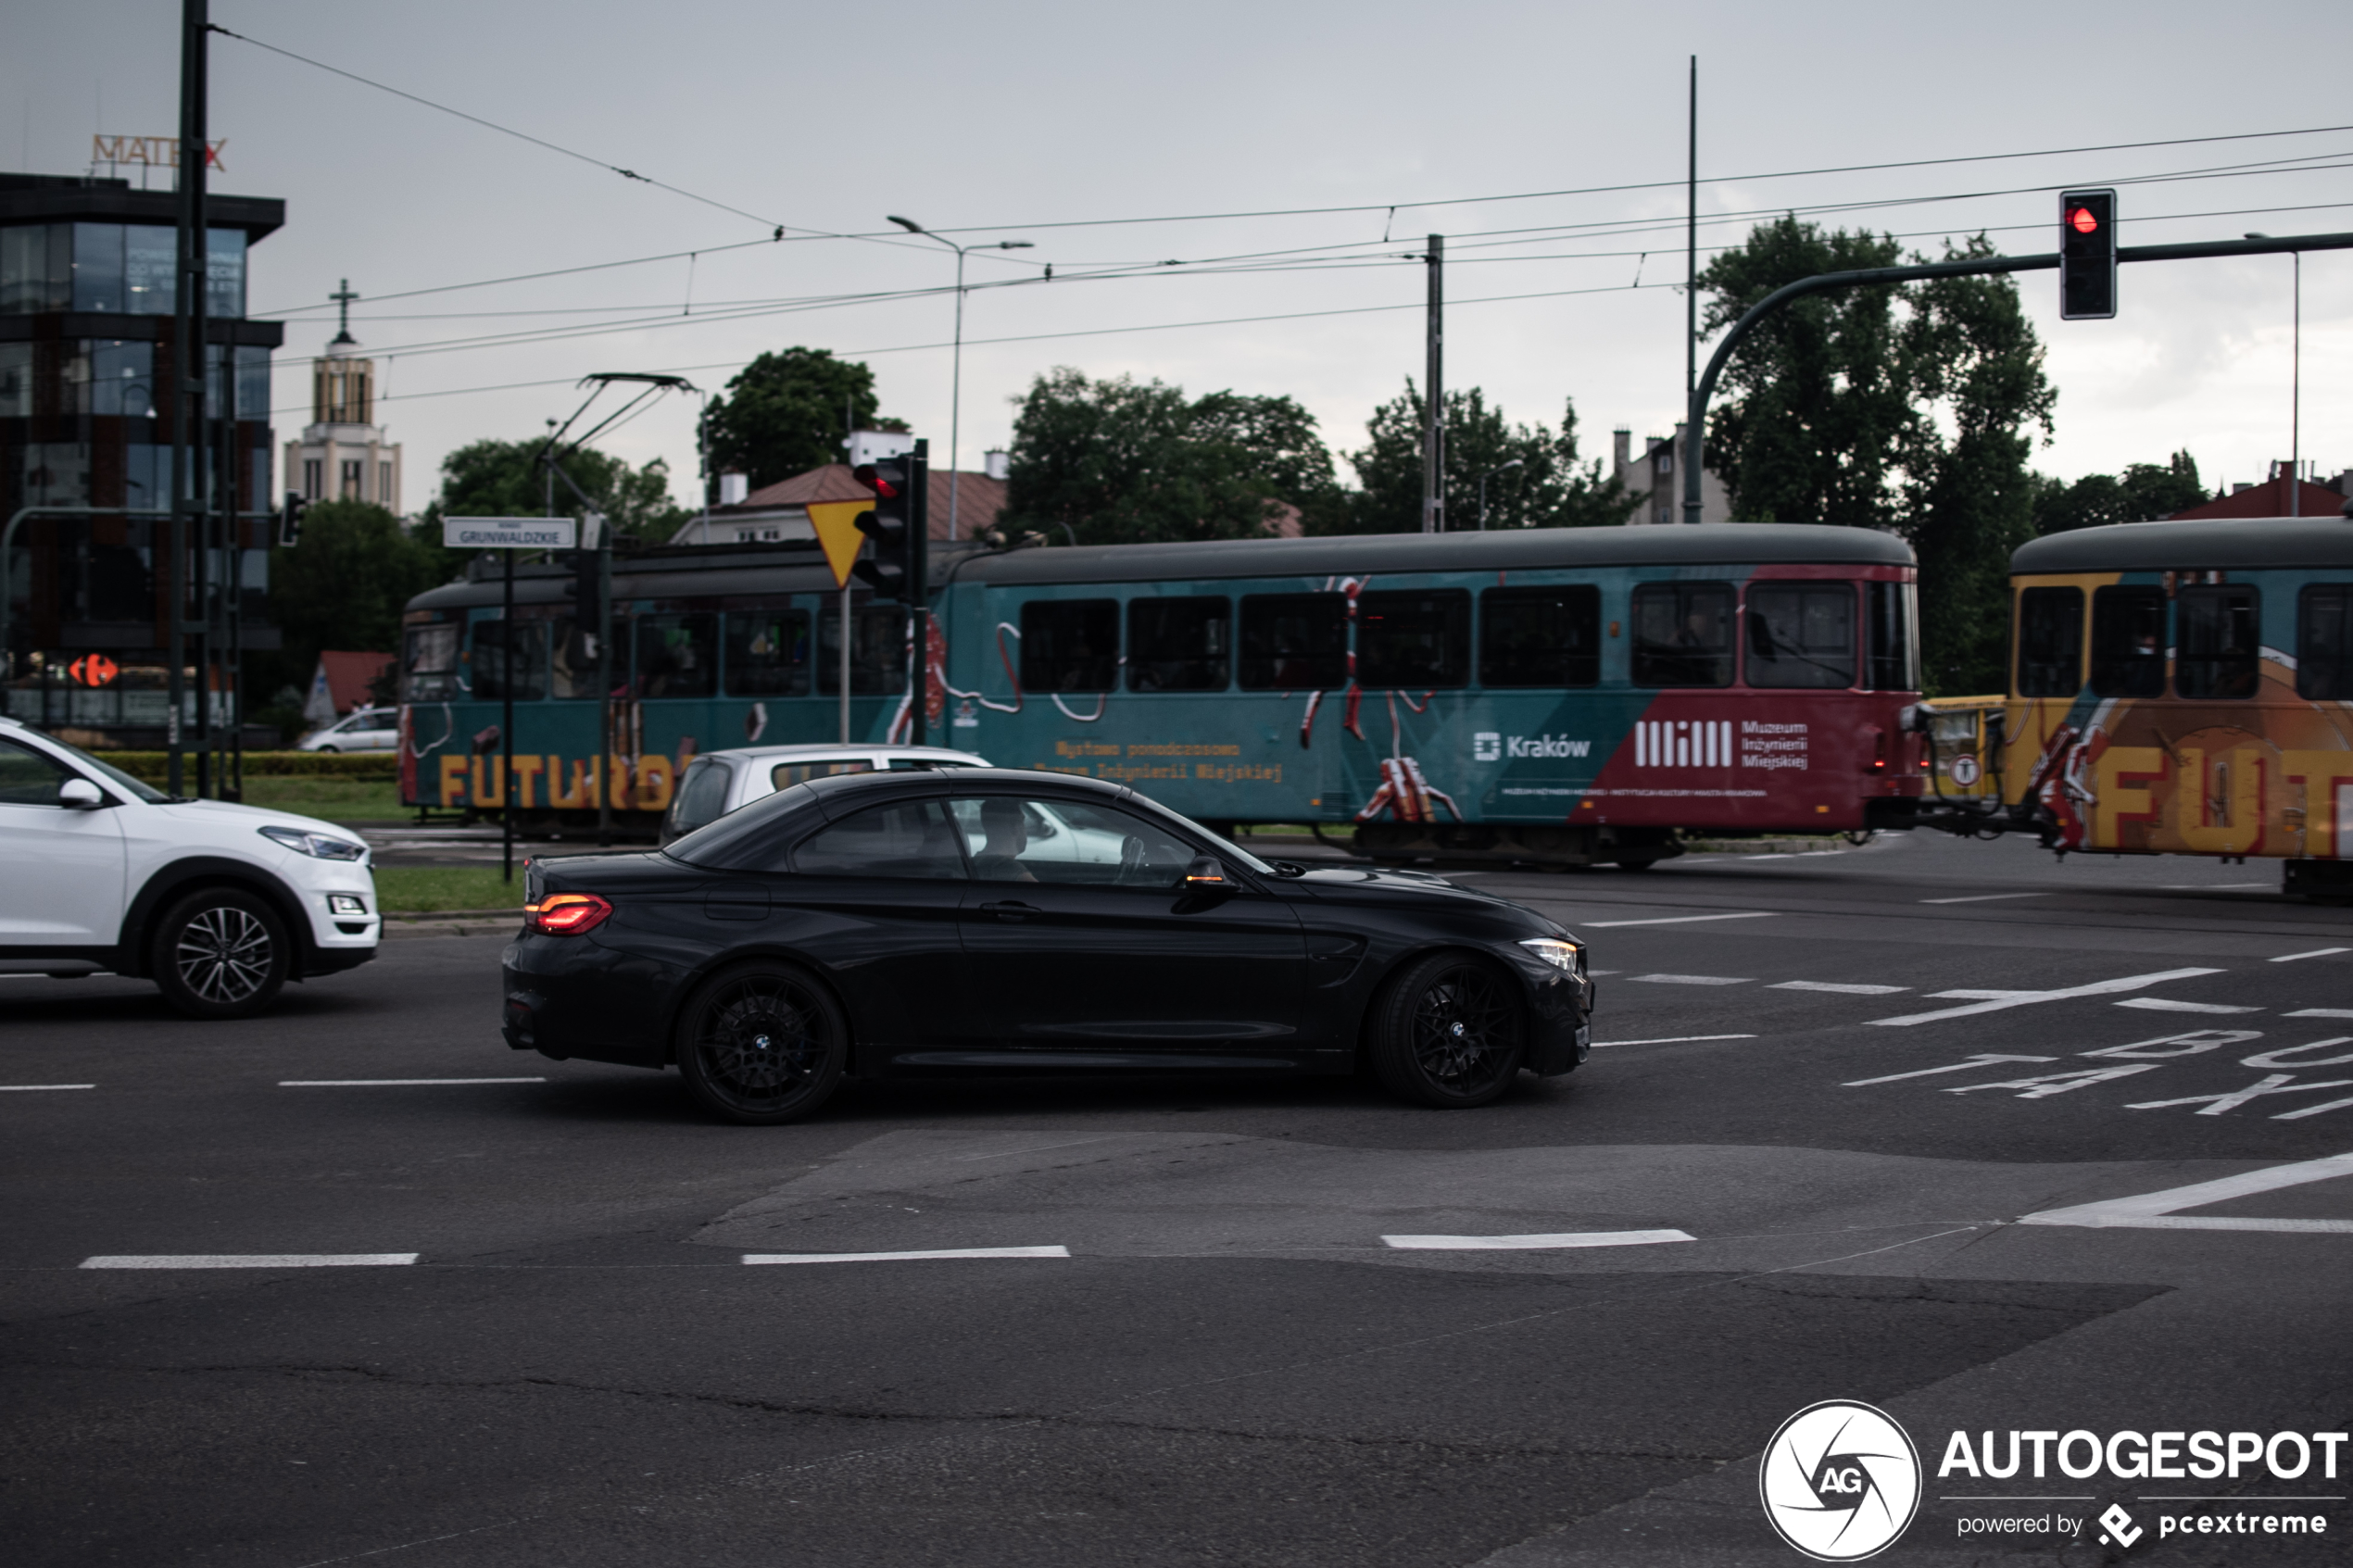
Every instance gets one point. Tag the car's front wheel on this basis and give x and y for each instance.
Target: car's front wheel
(1450, 1031)
(762, 1043)
(221, 953)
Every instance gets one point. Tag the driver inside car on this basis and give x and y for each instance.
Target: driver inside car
(1008, 836)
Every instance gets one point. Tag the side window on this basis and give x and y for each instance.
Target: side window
(767, 653)
(1541, 637)
(2127, 642)
(908, 839)
(877, 651)
(2050, 642)
(27, 778)
(2324, 641)
(1801, 634)
(1070, 644)
(677, 656)
(1011, 839)
(784, 775)
(518, 654)
(1413, 639)
(1895, 643)
(1294, 642)
(1178, 644)
(702, 795)
(2220, 653)
(429, 667)
(1684, 634)
(571, 659)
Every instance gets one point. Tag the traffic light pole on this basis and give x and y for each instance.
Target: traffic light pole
(919, 585)
(1985, 266)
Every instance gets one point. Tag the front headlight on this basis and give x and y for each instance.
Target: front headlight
(318, 846)
(1561, 955)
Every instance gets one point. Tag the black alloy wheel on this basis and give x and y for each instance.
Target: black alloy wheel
(220, 952)
(1449, 1032)
(762, 1043)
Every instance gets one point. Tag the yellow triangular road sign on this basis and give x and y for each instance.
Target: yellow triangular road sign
(836, 526)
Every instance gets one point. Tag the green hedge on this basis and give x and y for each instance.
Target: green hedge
(149, 766)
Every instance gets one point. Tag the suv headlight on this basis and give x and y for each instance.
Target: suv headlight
(1559, 954)
(318, 846)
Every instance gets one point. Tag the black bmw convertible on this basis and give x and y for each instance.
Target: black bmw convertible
(873, 925)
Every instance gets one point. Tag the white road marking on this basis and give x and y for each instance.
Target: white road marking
(391, 1083)
(2044, 1085)
(2312, 1110)
(2096, 988)
(1684, 919)
(1038, 1148)
(251, 1261)
(2315, 953)
(40, 1088)
(2319, 1012)
(1972, 1063)
(2164, 1004)
(903, 1257)
(1985, 897)
(1691, 979)
(1533, 1242)
(2272, 1084)
(2158, 1210)
(1980, 996)
(1832, 986)
(1670, 1040)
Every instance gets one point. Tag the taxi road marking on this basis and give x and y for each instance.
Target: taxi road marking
(2156, 1210)
(905, 1257)
(251, 1261)
(1533, 1242)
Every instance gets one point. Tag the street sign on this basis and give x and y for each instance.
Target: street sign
(838, 531)
(507, 532)
(93, 670)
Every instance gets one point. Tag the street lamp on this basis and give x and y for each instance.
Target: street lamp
(2295, 394)
(1514, 463)
(956, 374)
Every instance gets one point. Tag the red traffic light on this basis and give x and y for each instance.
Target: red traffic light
(2082, 219)
(866, 474)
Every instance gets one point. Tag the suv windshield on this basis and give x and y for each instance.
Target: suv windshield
(109, 772)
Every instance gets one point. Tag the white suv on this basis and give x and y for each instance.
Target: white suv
(220, 905)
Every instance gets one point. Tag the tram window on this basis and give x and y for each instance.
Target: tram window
(2050, 642)
(767, 653)
(877, 651)
(571, 660)
(524, 654)
(1070, 644)
(2127, 642)
(1684, 634)
(1294, 642)
(1541, 637)
(1413, 639)
(2324, 641)
(429, 668)
(1894, 656)
(2222, 652)
(1801, 634)
(677, 656)
(1178, 644)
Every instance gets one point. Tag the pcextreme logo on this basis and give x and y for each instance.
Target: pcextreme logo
(1840, 1481)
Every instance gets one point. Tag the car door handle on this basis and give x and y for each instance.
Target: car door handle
(1011, 910)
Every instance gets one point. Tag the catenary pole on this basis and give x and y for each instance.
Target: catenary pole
(1434, 394)
(1691, 433)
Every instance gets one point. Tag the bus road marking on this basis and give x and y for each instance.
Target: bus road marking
(2315, 953)
(2096, 988)
(1670, 1040)
(1533, 1242)
(1684, 919)
(251, 1261)
(906, 1256)
(2158, 1210)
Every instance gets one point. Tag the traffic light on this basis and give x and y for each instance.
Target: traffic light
(890, 525)
(290, 517)
(2087, 255)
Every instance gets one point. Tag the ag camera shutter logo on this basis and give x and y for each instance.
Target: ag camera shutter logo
(1840, 1481)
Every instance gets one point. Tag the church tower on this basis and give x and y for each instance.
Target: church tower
(342, 455)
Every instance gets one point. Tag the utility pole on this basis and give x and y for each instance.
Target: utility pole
(919, 585)
(1691, 433)
(1434, 395)
(188, 372)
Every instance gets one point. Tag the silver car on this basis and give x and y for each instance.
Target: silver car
(366, 729)
(718, 782)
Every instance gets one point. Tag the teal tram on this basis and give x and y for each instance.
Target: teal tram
(1568, 696)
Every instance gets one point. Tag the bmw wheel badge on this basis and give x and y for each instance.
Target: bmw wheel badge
(1840, 1481)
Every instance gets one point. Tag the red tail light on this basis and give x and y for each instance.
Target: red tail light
(567, 914)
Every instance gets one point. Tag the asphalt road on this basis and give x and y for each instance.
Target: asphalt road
(1230, 1365)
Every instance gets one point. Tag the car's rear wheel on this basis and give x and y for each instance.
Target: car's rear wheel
(221, 953)
(762, 1043)
(1450, 1031)
(329, 751)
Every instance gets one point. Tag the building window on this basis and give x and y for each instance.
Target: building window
(384, 484)
(352, 469)
(313, 475)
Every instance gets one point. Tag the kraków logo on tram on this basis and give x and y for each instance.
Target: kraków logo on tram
(1489, 745)
(1840, 1481)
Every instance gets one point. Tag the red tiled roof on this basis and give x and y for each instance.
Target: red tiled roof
(2270, 499)
(978, 497)
(348, 675)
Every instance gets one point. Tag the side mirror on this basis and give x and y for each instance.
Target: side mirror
(1206, 872)
(80, 794)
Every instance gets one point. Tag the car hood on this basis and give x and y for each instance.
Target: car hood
(259, 816)
(1367, 884)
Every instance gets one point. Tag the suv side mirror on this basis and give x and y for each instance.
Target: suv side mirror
(80, 794)
(1206, 872)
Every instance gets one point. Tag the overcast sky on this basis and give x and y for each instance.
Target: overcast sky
(1033, 120)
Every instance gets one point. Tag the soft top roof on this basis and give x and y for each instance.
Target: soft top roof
(2191, 545)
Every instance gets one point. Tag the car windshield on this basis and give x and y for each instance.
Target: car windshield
(112, 774)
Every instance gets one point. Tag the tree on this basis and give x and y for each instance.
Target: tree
(1906, 408)
(344, 585)
(1550, 489)
(786, 413)
(505, 479)
(1117, 461)
(2145, 493)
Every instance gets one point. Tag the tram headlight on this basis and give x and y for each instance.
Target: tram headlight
(1568, 956)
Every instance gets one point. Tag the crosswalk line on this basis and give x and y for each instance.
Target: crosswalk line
(1533, 1242)
(249, 1260)
(756, 1258)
